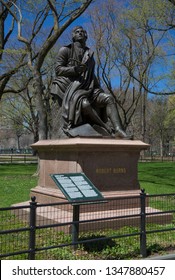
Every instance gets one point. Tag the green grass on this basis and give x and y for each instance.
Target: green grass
(109, 249)
(16, 180)
(157, 178)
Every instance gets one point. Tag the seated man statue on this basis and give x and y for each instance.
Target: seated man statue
(78, 92)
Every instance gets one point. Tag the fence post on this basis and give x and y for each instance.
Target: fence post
(75, 224)
(143, 250)
(33, 206)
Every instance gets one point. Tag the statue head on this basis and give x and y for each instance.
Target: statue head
(79, 34)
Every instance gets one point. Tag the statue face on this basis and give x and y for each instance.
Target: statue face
(79, 35)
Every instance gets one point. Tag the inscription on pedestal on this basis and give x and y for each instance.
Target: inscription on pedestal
(110, 170)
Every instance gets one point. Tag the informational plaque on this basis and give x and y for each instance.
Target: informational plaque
(77, 187)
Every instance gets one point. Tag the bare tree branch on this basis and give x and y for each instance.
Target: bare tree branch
(172, 1)
(48, 44)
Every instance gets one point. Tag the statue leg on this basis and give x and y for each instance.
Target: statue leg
(107, 100)
(113, 115)
(91, 114)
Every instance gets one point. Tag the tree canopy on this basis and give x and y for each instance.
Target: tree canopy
(134, 49)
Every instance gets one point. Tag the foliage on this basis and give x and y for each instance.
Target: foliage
(170, 116)
(161, 131)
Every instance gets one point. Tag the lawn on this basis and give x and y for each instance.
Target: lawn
(157, 178)
(16, 180)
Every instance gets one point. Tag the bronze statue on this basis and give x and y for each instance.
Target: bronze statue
(79, 94)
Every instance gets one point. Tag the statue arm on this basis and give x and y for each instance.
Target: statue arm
(63, 68)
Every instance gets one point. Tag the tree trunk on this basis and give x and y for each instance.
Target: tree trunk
(41, 110)
(161, 147)
(18, 142)
(1, 31)
(144, 97)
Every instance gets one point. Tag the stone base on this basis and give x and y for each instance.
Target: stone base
(110, 164)
(114, 219)
(115, 200)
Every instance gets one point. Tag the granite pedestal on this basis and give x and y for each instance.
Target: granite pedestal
(110, 164)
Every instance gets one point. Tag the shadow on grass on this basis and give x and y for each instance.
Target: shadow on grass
(97, 245)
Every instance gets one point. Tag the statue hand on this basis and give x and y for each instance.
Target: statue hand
(80, 68)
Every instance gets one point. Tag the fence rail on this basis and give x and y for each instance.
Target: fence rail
(157, 158)
(29, 157)
(18, 158)
(29, 231)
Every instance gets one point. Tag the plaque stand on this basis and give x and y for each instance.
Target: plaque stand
(78, 189)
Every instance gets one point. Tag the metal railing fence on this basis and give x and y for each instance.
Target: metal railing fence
(156, 158)
(18, 158)
(28, 157)
(122, 227)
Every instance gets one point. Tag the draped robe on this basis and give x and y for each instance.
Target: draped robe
(72, 87)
